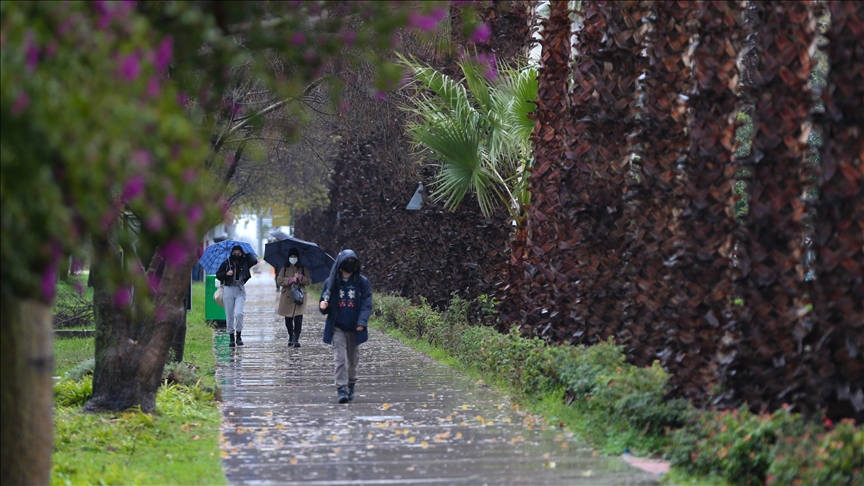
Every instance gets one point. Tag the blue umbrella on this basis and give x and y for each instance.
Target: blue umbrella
(215, 254)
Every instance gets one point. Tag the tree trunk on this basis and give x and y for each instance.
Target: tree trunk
(131, 348)
(26, 368)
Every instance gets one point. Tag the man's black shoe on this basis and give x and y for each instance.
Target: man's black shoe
(351, 392)
(343, 394)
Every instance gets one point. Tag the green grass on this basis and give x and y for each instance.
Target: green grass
(179, 444)
(70, 352)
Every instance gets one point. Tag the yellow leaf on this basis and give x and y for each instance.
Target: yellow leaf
(463, 423)
(224, 454)
(411, 439)
(424, 444)
(479, 418)
(564, 445)
(500, 405)
(335, 450)
(458, 435)
(398, 432)
(546, 456)
(385, 406)
(409, 468)
(293, 460)
(280, 427)
(335, 437)
(369, 436)
(550, 464)
(405, 431)
(449, 417)
(464, 407)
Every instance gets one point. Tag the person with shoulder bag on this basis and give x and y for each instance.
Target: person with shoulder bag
(234, 273)
(293, 279)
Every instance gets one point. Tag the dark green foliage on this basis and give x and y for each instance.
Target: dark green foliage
(780, 448)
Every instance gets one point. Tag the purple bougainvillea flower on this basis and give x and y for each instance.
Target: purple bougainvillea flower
(142, 158)
(439, 13)
(298, 38)
(481, 33)
(349, 37)
(21, 103)
(182, 99)
(154, 87)
(154, 281)
(49, 283)
(123, 297)
(423, 22)
(189, 175)
(155, 223)
(380, 95)
(172, 204)
(195, 214)
(162, 56)
(130, 66)
(31, 52)
(174, 253)
(134, 187)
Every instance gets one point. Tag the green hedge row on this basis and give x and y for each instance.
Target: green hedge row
(620, 406)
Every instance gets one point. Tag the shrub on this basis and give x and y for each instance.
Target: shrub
(82, 369)
(736, 445)
(835, 457)
(73, 393)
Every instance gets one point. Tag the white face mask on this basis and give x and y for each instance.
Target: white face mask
(293, 260)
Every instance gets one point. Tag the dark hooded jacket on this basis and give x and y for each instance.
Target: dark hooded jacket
(241, 268)
(363, 298)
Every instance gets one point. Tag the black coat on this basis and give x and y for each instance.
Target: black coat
(242, 269)
(364, 299)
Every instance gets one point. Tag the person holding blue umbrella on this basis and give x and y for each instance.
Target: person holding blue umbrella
(234, 273)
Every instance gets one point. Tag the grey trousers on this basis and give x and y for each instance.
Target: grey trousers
(234, 298)
(346, 354)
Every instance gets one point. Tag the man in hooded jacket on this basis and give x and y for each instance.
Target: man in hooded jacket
(346, 300)
(234, 273)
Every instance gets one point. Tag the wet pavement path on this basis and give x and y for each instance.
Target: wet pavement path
(413, 420)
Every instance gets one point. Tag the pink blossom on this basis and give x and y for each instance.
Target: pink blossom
(155, 223)
(236, 108)
(182, 99)
(380, 95)
(174, 253)
(21, 103)
(490, 64)
(49, 282)
(134, 187)
(162, 56)
(481, 33)
(130, 67)
(298, 38)
(123, 297)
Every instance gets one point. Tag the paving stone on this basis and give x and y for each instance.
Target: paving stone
(413, 421)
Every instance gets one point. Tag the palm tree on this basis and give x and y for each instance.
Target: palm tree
(477, 131)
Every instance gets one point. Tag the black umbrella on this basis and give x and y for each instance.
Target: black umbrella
(279, 235)
(316, 260)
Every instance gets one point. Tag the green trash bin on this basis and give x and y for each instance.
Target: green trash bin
(213, 312)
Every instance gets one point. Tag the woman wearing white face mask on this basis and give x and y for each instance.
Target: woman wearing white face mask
(289, 275)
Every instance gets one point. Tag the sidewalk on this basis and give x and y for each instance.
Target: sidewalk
(413, 421)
